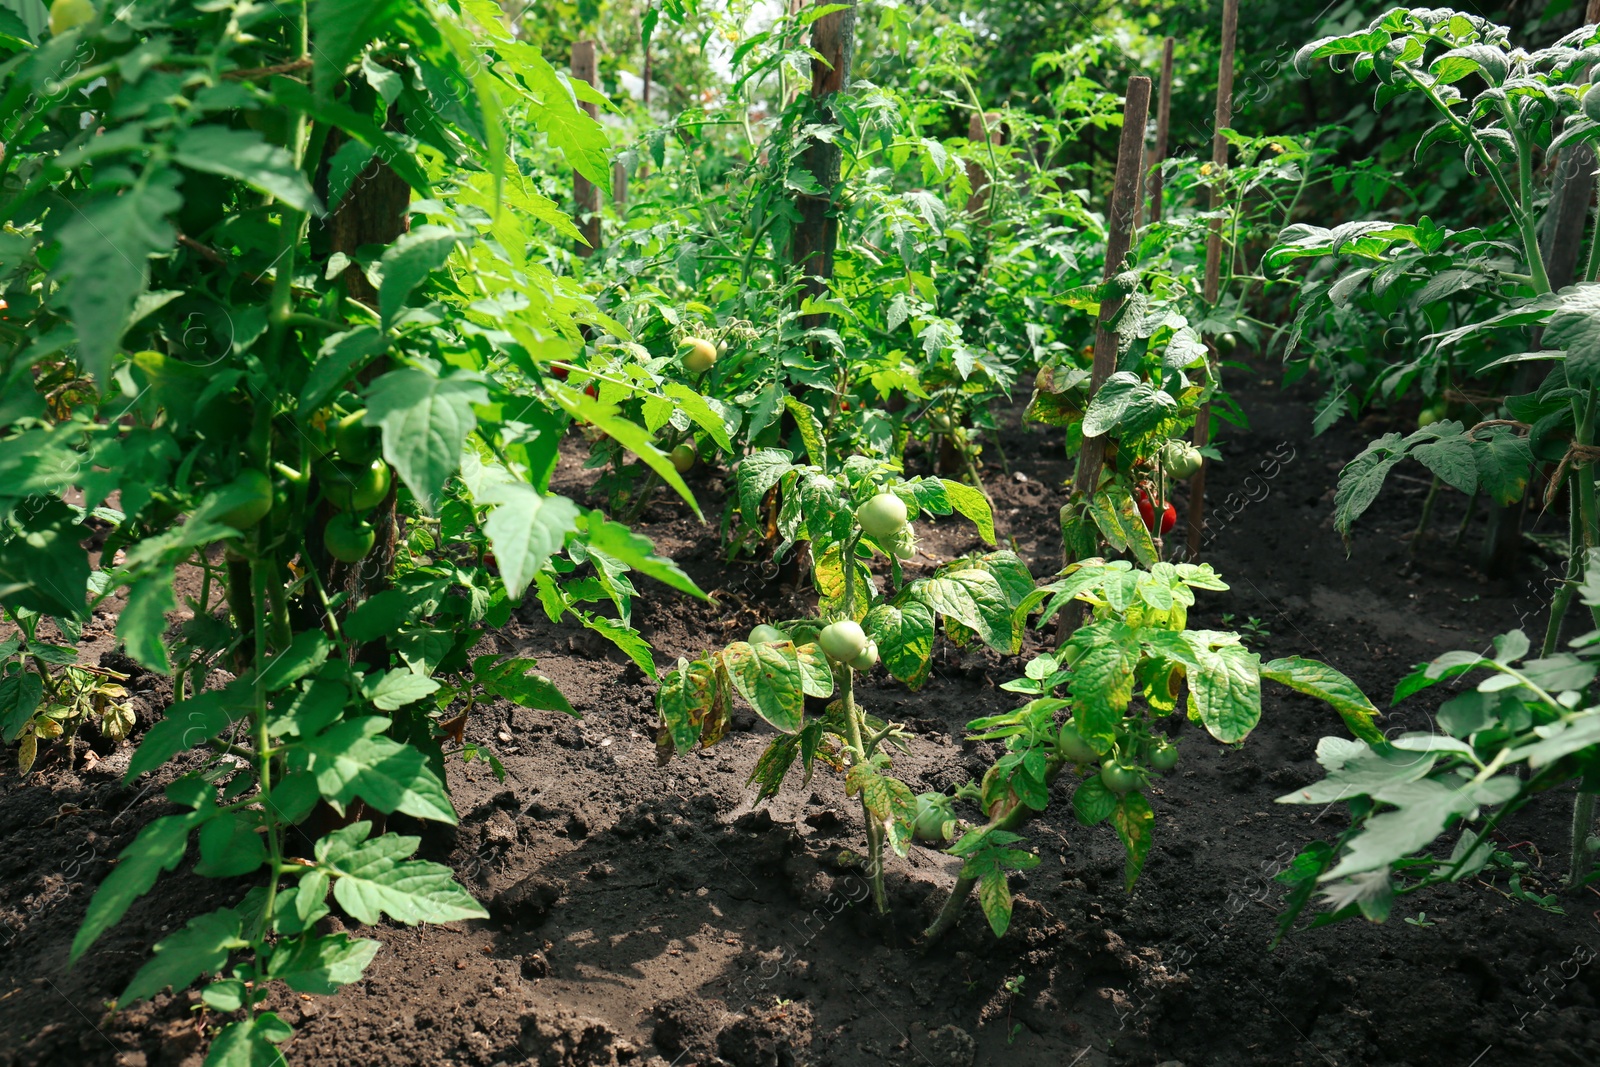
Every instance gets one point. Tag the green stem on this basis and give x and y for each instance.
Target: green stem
(951, 912)
(262, 758)
(853, 732)
(1427, 517)
(1563, 597)
(1582, 824)
(1518, 206)
(1466, 520)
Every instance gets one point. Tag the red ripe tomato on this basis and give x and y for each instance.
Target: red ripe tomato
(1147, 512)
(592, 391)
(558, 373)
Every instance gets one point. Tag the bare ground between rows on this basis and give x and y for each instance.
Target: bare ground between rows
(646, 915)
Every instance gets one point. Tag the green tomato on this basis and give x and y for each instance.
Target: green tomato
(353, 440)
(1164, 757)
(939, 422)
(767, 635)
(1227, 343)
(1431, 415)
(69, 15)
(256, 488)
(935, 819)
(1180, 459)
(904, 544)
(348, 538)
(1119, 778)
(868, 658)
(843, 640)
(683, 458)
(372, 487)
(1071, 654)
(882, 517)
(1070, 743)
(701, 357)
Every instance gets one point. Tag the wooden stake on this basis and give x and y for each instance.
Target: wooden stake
(982, 129)
(1124, 206)
(1213, 278)
(1163, 128)
(586, 197)
(619, 184)
(1570, 193)
(833, 37)
(1560, 245)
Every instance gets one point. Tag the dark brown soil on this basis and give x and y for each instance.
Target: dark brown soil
(647, 915)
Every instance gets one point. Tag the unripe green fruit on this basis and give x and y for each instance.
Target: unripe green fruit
(352, 438)
(701, 357)
(904, 544)
(868, 658)
(882, 517)
(69, 15)
(348, 538)
(1164, 757)
(1070, 743)
(933, 817)
(766, 635)
(246, 514)
(843, 641)
(1180, 459)
(683, 458)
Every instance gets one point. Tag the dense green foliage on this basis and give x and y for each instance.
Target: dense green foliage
(299, 305)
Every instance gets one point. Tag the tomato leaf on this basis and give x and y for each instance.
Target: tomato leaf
(373, 878)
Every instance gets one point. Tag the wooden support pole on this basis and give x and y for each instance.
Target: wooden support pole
(586, 197)
(982, 129)
(1571, 191)
(1213, 277)
(1124, 206)
(815, 235)
(1561, 246)
(1163, 130)
(619, 185)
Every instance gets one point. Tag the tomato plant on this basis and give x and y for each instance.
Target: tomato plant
(842, 512)
(1123, 671)
(1405, 792)
(227, 357)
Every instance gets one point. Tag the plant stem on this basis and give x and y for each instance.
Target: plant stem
(261, 574)
(1563, 597)
(1582, 823)
(1466, 520)
(1427, 517)
(951, 912)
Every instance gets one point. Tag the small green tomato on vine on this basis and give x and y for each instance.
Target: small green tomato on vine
(936, 819)
(868, 658)
(1070, 743)
(844, 641)
(1180, 459)
(256, 487)
(1119, 777)
(767, 635)
(348, 538)
(701, 357)
(683, 458)
(882, 517)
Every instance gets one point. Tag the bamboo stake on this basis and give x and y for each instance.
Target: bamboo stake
(585, 196)
(1163, 129)
(1213, 278)
(1124, 206)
